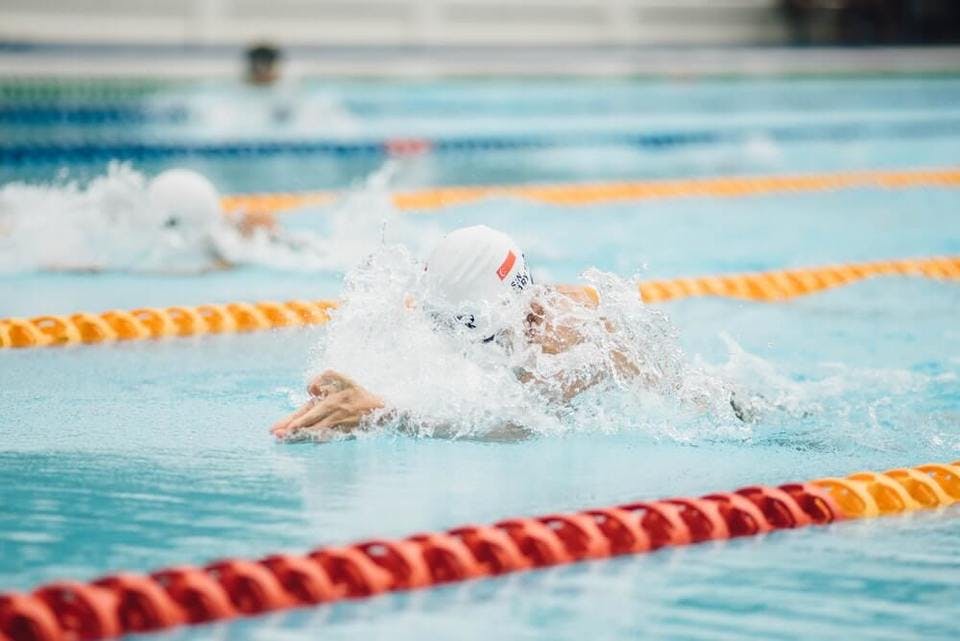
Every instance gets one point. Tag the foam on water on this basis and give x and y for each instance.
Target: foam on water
(283, 110)
(110, 224)
(99, 225)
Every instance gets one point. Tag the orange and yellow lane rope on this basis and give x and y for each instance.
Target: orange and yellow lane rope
(153, 322)
(599, 193)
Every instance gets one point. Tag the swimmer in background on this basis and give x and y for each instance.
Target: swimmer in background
(263, 64)
(189, 206)
(472, 269)
(264, 77)
(173, 223)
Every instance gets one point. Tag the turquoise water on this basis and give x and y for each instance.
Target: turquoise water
(655, 239)
(893, 122)
(141, 455)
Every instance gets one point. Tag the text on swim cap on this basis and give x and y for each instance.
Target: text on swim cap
(521, 279)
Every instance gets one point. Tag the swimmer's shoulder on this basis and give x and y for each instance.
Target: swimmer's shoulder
(582, 294)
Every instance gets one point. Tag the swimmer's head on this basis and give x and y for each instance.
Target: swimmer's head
(263, 64)
(475, 271)
(186, 201)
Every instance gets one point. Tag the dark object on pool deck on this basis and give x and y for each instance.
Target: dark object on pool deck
(129, 603)
(872, 22)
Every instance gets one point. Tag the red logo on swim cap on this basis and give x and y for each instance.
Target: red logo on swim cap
(506, 265)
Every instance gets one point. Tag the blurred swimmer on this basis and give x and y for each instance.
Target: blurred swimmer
(121, 221)
(189, 207)
(263, 64)
(478, 283)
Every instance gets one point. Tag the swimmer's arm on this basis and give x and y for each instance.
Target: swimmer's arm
(567, 387)
(339, 406)
(560, 338)
(336, 404)
(562, 388)
(250, 221)
(588, 297)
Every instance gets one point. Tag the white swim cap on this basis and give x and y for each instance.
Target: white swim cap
(476, 266)
(185, 199)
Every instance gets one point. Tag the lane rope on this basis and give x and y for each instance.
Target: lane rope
(43, 105)
(98, 91)
(125, 603)
(183, 320)
(81, 114)
(96, 149)
(786, 284)
(593, 193)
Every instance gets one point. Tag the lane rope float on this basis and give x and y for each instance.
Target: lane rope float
(153, 322)
(578, 194)
(785, 284)
(125, 603)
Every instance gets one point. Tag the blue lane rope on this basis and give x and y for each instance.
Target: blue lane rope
(90, 103)
(39, 115)
(94, 150)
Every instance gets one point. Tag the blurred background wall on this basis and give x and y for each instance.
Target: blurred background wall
(482, 22)
(207, 38)
(396, 22)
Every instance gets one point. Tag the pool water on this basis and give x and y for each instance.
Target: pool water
(747, 126)
(148, 454)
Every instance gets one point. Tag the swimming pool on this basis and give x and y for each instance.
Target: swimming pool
(148, 454)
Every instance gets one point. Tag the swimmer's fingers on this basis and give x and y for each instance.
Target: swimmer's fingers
(306, 415)
(341, 420)
(342, 411)
(332, 407)
(310, 418)
(342, 407)
(349, 408)
(284, 422)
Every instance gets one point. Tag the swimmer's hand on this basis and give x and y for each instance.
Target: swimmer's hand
(336, 403)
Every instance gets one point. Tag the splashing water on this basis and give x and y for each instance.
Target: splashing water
(111, 224)
(287, 110)
(363, 219)
(442, 379)
(831, 407)
(101, 226)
